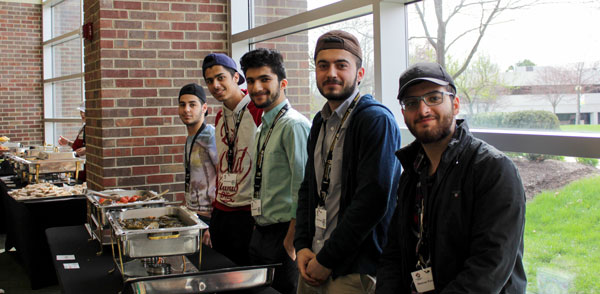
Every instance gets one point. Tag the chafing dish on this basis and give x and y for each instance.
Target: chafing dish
(56, 155)
(96, 212)
(31, 168)
(204, 282)
(157, 242)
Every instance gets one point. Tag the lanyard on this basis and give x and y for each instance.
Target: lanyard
(327, 165)
(231, 143)
(422, 233)
(260, 156)
(189, 156)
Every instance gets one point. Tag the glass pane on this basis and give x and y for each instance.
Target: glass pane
(67, 58)
(298, 51)
(67, 97)
(66, 17)
(528, 71)
(67, 130)
(267, 11)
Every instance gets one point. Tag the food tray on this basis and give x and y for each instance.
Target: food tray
(157, 242)
(97, 213)
(56, 155)
(204, 282)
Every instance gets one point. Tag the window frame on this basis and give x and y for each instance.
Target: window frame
(49, 80)
(390, 36)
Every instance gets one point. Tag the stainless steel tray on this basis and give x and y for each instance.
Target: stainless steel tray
(96, 212)
(157, 242)
(205, 282)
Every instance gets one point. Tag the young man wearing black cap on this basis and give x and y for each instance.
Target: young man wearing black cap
(236, 123)
(279, 166)
(459, 223)
(200, 157)
(347, 198)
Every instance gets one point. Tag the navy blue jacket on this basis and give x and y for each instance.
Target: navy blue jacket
(370, 175)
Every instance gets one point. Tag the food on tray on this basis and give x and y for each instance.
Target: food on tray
(165, 221)
(47, 190)
(4, 139)
(122, 200)
(4, 148)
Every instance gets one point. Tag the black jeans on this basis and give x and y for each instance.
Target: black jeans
(230, 233)
(266, 247)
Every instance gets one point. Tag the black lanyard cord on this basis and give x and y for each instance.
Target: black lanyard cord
(327, 164)
(260, 156)
(189, 155)
(231, 143)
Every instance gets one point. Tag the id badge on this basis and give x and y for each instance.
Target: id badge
(423, 280)
(228, 180)
(255, 207)
(321, 218)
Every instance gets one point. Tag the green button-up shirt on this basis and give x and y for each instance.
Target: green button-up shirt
(283, 166)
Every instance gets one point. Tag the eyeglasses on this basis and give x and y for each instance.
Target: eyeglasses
(430, 99)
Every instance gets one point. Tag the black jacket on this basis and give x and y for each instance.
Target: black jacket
(476, 218)
(370, 175)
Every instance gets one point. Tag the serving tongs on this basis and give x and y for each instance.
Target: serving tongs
(102, 195)
(147, 195)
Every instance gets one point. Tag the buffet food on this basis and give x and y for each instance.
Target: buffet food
(4, 139)
(45, 190)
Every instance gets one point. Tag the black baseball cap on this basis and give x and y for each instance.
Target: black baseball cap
(223, 60)
(424, 71)
(193, 89)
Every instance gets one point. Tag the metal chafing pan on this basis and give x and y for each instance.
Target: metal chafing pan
(157, 242)
(204, 282)
(96, 213)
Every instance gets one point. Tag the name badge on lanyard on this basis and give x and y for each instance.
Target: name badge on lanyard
(321, 217)
(228, 180)
(255, 207)
(423, 280)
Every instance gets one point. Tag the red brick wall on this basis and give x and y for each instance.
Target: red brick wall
(141, 54)
(21, 72)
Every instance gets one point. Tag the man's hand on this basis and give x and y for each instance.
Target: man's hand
(288, 244)
(206, 238)
(80, 151)
(304, 257)
(318, 272)
(288, 241)
(63, 141)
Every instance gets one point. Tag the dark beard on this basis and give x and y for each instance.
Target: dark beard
(271, 98)
(346, 92)
(436, 135)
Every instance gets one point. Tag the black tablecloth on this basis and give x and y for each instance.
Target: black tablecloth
(26, 223)
(93, 275)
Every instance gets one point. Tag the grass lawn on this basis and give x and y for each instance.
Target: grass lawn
(562, 238)
(580, 128)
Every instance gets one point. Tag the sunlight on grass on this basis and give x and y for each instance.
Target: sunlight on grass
(580, 128)
(562, 236)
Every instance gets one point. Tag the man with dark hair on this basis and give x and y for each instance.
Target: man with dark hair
(347, 197)
(459, 223)
(200, 154)
(231, 222)
(279, 167)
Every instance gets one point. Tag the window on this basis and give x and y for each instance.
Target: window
(526, 60)
(63, 68)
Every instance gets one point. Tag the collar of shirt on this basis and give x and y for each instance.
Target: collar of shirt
(236, 111)
(268, 117)
(326, 112)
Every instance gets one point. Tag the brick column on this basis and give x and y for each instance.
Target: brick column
(21, 106)
(141, 54)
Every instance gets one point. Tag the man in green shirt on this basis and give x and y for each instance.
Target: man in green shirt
(279, 166)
